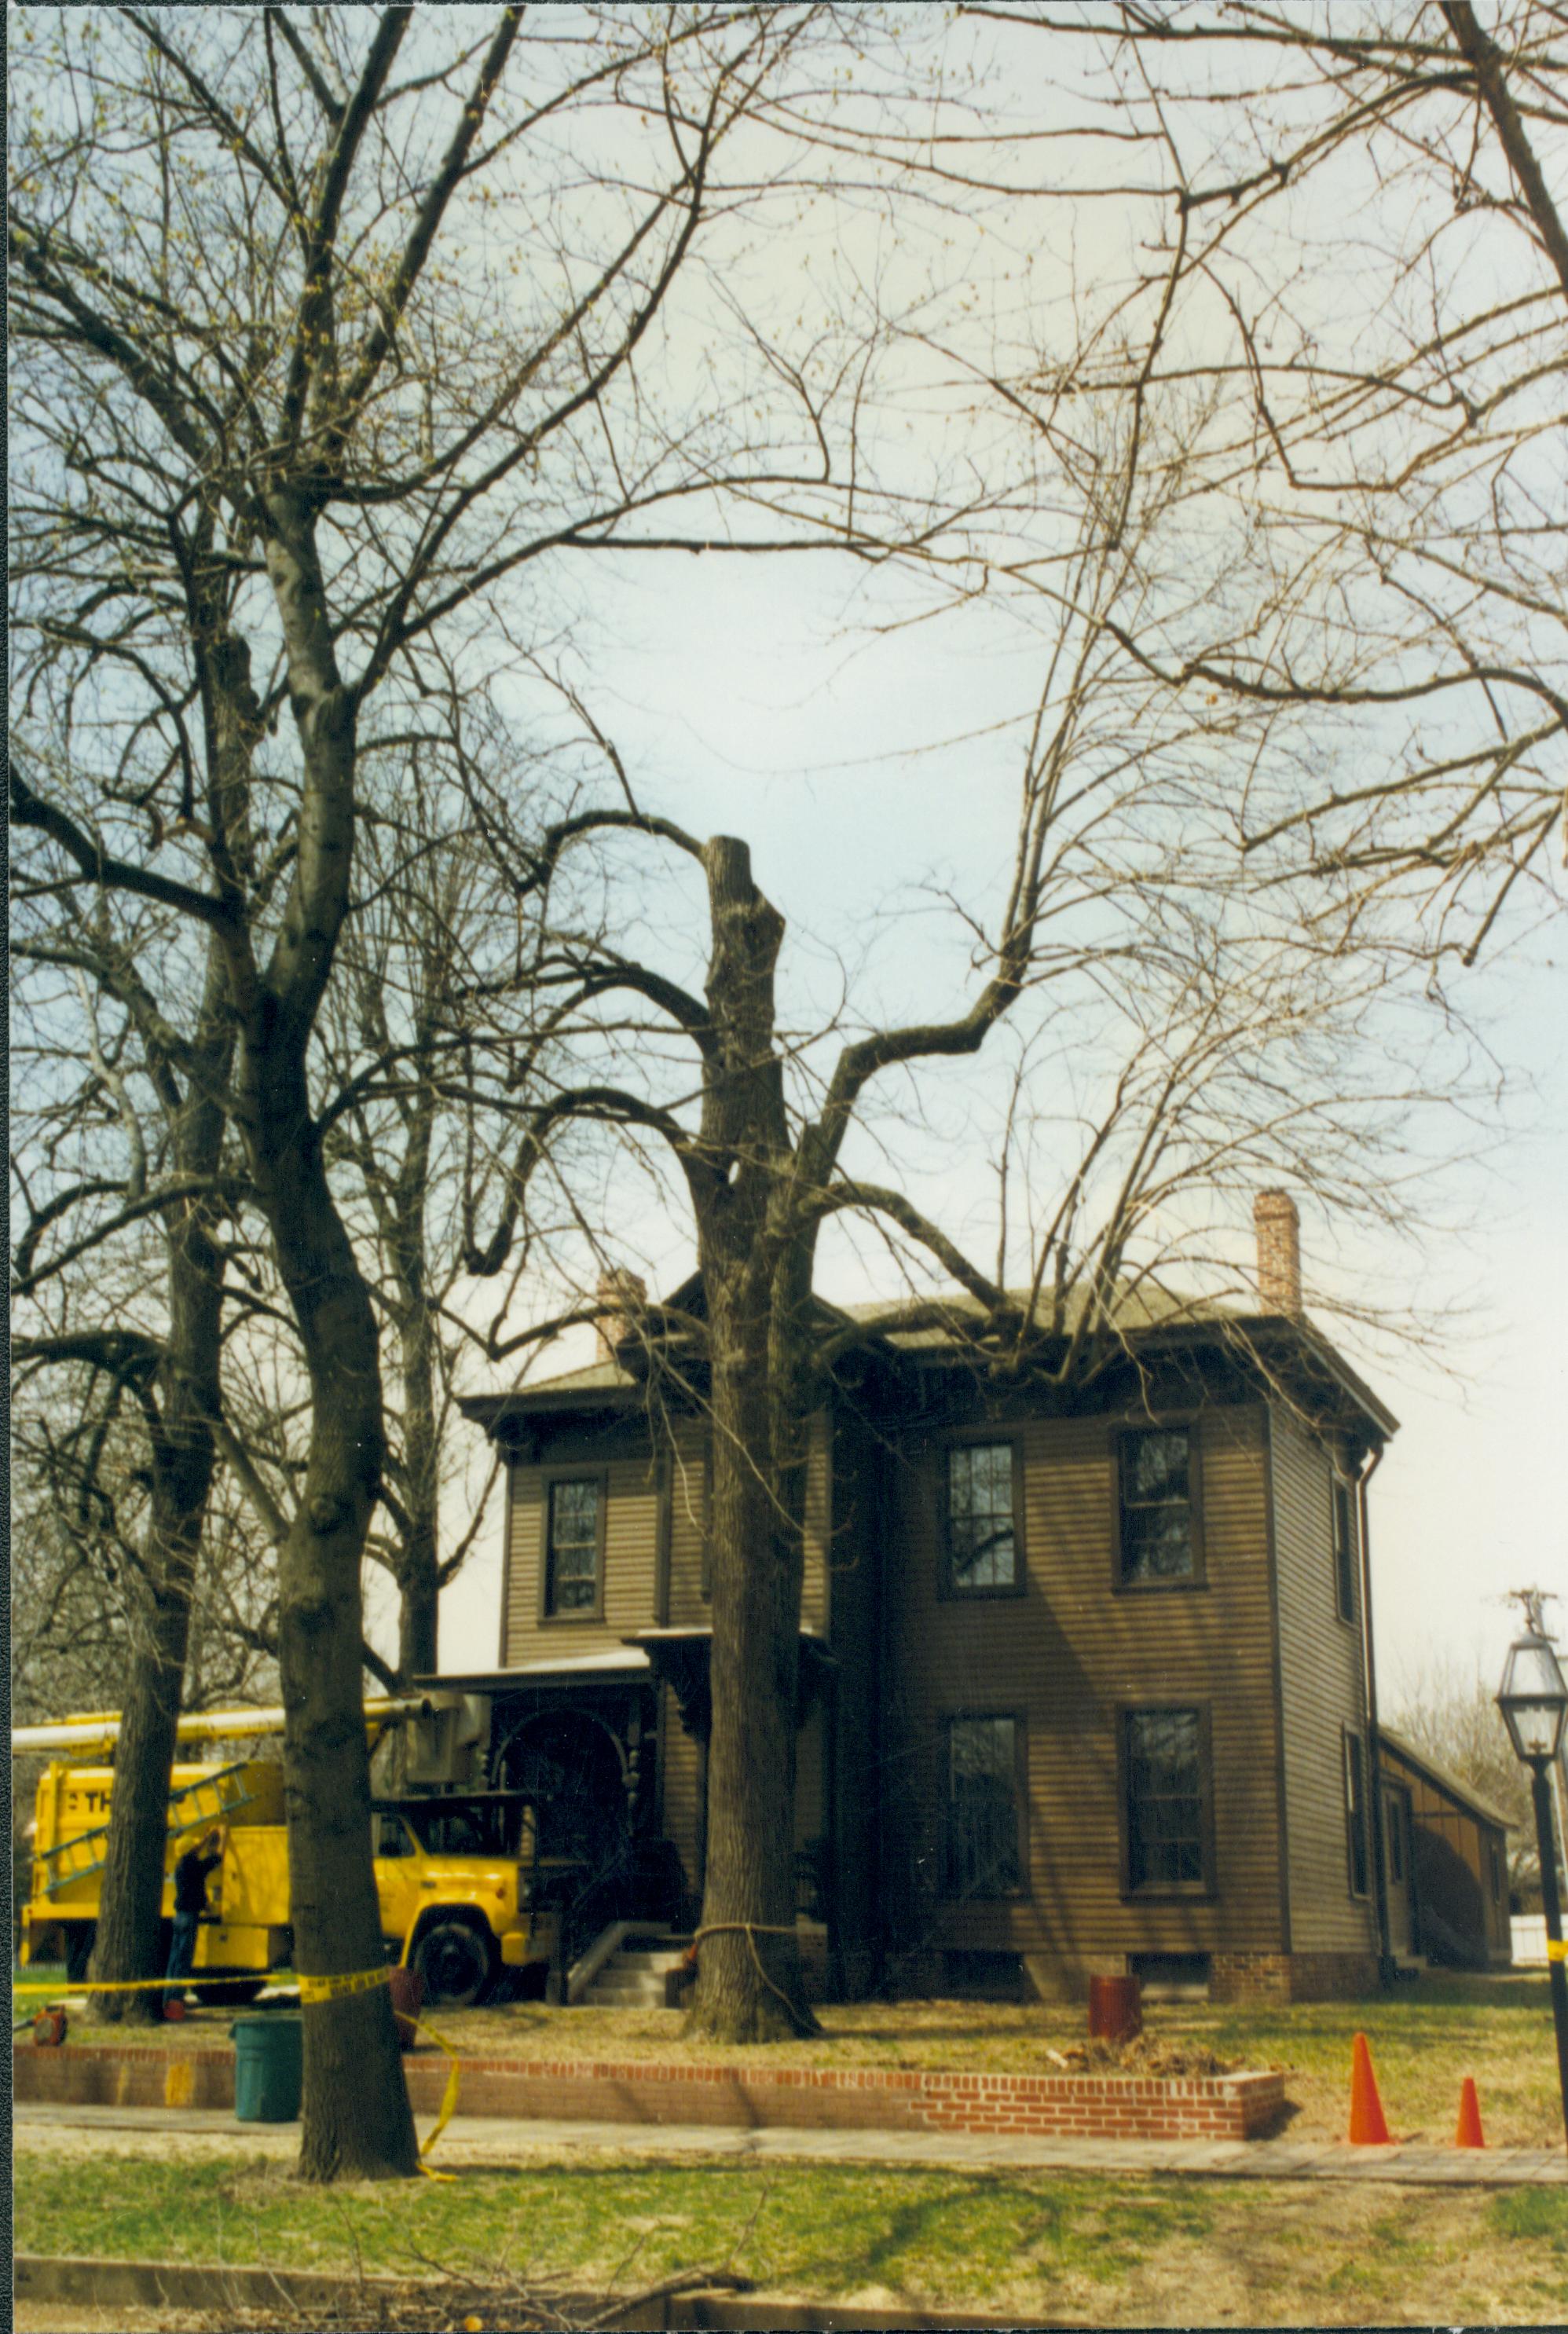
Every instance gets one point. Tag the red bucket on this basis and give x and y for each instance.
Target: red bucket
(1115, 2009)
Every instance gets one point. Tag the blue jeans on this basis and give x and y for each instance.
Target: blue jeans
(181, 1954)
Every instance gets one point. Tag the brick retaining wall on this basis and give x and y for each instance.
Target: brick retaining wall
(643, 2091)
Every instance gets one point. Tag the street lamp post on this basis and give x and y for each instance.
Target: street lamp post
(1534, 1701)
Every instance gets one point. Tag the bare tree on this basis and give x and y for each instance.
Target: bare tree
(1226, 1066)
(1346, 229)
(164, 1371)
(278, 418)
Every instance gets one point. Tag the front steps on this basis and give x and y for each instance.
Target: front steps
(633, 1976)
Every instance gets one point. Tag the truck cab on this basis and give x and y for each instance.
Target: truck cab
(463, 1894)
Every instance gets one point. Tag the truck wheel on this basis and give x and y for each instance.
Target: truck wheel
(456, 1962)
(79, 1938)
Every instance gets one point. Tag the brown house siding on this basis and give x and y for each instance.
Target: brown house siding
(1322, 1693)
(1065, 1657)
(1451, 1853)
(632, 1538)
(680, 1777)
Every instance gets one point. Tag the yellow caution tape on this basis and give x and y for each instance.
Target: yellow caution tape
(332, 1988)
(448, 2106)
(312, 1989)
(61, 1988)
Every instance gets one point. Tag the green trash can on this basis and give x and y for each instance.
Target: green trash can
(269, 2069)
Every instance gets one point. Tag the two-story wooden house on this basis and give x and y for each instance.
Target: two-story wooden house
(1086, 1675)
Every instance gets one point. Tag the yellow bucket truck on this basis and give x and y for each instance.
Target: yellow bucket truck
(462, 1891)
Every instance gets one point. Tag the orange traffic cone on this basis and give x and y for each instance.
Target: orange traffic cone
(1469, 2133)
(1367, 2128)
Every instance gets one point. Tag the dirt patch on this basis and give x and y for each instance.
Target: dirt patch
(1148, 2054)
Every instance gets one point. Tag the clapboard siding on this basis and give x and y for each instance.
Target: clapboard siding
(1447, 1841)
(1323, 1691)
(680, 1783)
(1064, 1657)
(631, 1543)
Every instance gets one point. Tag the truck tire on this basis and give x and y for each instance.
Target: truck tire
(78, 1940)
(457, 1960)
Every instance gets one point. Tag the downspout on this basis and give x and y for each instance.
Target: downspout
(1386, 1972)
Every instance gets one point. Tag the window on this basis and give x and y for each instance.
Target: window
(1495, 1860)
(574, 1519)
(1344, 1532)
(1356, 1814)
(980, 1518)
(984, 1853)
(1394, 1838)
(1155, 1468)
(1166, 1841)
(393, 1837)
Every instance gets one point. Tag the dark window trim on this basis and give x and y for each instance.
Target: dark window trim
(1191, 1892)
(1020, 1724)
(1342, 1508)
(548, 1480)
(1178, 1583)
(949, 1591)
(1350, 1738)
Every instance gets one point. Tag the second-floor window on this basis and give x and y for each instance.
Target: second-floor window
(981, 1527)
(1156, 1497)
(572, 1546)
(984, 1853)
(1344, 1532)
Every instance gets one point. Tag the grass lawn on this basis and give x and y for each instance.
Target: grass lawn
(1425, 2037)
(1028, 2244)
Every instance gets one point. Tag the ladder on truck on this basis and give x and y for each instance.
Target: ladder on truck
(196, 1806)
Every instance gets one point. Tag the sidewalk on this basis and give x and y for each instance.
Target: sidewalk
(491, 2143)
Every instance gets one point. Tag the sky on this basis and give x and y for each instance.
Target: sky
(872, 768)
(742, 704)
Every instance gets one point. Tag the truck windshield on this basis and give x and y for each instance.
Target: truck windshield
(486, 1828)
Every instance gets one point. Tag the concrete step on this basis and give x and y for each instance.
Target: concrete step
(641, 1994)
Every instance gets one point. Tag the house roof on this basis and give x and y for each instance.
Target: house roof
(1147, 1313)
(1446, 1781)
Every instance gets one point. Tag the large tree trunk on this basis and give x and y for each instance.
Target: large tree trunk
(418, 1579)
(356, 2122)
(355, 2118)
(749, 1983)
(128, 1947)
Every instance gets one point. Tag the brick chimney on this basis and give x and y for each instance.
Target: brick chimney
(1278, 1227)
(628, 1293)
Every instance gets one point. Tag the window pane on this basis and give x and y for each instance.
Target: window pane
(573, 1547)
(982, 1807)
(982, 1545)
(1164, 1798)
(1156, 1467)
(1156, 1505)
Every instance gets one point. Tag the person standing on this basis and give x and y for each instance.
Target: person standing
(190, 1875)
